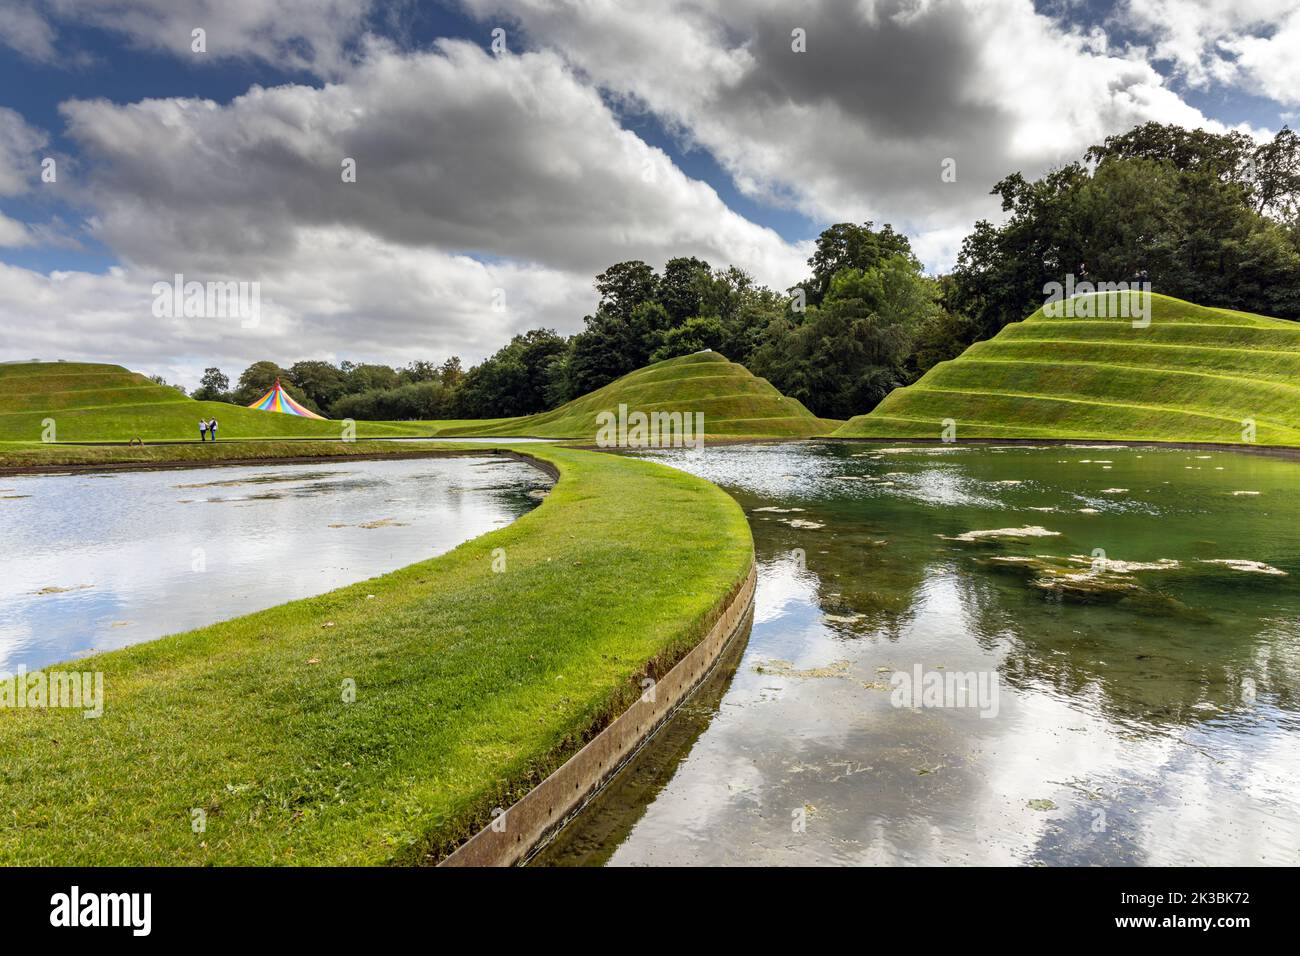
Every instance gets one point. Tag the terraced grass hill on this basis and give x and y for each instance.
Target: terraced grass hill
(1194, 374)
(734, 402)
(92, 402)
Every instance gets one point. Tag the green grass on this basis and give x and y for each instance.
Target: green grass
(1195, 374)
(734, 401)
(471, 686)
(90, 402)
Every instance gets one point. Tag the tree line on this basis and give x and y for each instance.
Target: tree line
(1212, 218)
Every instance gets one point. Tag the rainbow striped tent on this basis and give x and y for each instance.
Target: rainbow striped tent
(278, 400)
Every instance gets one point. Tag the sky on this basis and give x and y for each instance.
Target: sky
(505, 153)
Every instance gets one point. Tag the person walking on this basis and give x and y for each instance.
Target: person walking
(203, 430)
(212, 427)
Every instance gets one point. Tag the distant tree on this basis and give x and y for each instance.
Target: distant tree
(364, 377)
(846, 245)
(624, 286)
(256, 379)
(611, 346)
(682, 287)
(558, 387)
(408, 402)
(694, 335)
(1202, 216)
(214, 386)
(1188, 150)
(418, 371)
(514, 380)
(848, 353)
(319, 380)
(450, 372)
(1275, 174)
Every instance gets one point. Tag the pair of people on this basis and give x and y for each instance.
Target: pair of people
(207, 426)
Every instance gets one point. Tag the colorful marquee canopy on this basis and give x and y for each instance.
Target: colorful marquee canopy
(278, 400)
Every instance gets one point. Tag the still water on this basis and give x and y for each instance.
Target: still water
(1130, 629)
(93, 562)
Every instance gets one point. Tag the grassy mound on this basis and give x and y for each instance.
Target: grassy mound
(734, 402)
(470, 686)
(91, 402)
(1195, 374)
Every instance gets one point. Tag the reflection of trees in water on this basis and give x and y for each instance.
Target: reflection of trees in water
(1146, 656)
(1179, 647)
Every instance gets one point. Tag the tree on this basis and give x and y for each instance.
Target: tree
(450, 372)
(849, 352)
(846, 245)
(419, 370)
(611, 346)
(214, 386)
(696, 334)
(514, 380)
(1221, 155)
(624, 286)
(682, 287)
(1275, 176)
(365, 377)
(320, 381)
(256, 380)
(1202, 216)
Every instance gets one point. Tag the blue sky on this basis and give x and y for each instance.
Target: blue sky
(602, 132)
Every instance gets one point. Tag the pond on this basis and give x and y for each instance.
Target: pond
(98, 561)
(1111, 635)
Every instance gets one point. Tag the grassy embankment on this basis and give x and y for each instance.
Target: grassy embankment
(92, 402)
(734, 401)
(471, 686)
(1195, 374)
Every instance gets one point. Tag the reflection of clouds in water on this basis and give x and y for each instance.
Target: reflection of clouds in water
(1111, 723)
(134, 539)
(767, 754)
(949, 487)
(790, 473)
(784, 581)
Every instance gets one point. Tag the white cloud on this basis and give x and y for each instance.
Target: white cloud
(347, 296)
(22, 28)
(310, 35)
(12, 233)
(1250, 44)
(455, 150)
(19, 145)
(474, 174)
(857, 127)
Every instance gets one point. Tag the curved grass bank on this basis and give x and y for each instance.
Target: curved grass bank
(471, 687)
